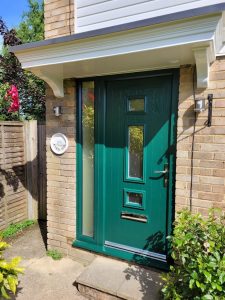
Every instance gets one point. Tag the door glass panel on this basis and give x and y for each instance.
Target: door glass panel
(88, 157)
(136, 104)
(135, 198)
(135, 151)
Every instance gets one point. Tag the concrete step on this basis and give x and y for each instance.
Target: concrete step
(110, 279)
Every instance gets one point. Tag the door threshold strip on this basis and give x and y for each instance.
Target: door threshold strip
(149, 254)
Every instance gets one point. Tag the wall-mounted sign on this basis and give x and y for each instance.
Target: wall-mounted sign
(59, 143)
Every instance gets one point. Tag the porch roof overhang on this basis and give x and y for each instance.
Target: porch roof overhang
(195, 40)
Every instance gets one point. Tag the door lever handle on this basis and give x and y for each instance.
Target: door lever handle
(165, 173)
(161, 172)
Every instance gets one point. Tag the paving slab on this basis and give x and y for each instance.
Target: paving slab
(44, 278)
(119, 279)
(140, 284)
(103, 279)
(28, 245)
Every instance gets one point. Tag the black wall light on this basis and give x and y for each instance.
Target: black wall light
(200, 106)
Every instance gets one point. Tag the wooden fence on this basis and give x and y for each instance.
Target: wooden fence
(13, 204)
(42, 176)
(21, 186)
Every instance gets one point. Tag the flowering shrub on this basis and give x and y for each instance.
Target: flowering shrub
(13, 96)
(9, 102)
(31, 89)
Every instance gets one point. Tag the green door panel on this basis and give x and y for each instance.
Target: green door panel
(135, 139)
(138, 122)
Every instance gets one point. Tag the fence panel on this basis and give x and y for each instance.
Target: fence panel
(23, 192)
(13, 190)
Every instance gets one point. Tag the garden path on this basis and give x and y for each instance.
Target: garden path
(44, 278)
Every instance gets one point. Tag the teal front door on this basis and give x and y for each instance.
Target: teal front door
(139, 155)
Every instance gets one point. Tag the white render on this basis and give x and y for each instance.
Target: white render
(96, 14)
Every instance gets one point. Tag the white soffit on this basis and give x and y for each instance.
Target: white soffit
(154, 47)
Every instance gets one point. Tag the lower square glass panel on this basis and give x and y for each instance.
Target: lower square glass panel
(134, 199)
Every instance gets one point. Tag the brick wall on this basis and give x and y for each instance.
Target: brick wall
(61, 171)
(61, 179)
(208, 159)
(207, 165)
(59, 18)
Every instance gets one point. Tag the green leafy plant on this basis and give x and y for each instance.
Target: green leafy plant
(54, 254)
(8, 272)
(198, 249)
(31, 90)
(13, 229)
(31, 28)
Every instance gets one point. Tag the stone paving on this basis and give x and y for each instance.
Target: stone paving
(119, 280)
(103, 279)
(44, 278)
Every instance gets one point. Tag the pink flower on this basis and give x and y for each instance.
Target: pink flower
(13, 96)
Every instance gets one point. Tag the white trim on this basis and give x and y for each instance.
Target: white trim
(150, 38)
(202, 66)
(52, 62)
(54, 77)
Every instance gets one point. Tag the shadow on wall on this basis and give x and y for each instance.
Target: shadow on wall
(11, 179)
(28, 176)
(15, 177)
(31, 178)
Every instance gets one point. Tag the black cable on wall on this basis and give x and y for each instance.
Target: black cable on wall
(193, 144)
(70, 12)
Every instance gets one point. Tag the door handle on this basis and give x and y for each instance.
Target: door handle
(165, 173)
(161, 172)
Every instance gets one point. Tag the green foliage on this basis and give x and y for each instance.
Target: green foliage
(198, 249)
(15, 228)
(31, 29)
(54, 254)
(31, 89)
(8, 272)
(5, 102)
(88, 116)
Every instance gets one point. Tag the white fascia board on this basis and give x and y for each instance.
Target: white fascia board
(172, 34)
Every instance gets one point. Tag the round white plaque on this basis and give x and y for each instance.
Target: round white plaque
(59, 143)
